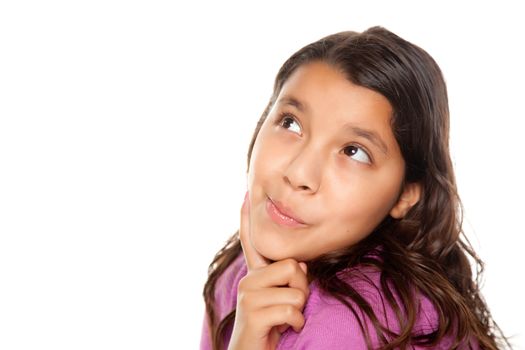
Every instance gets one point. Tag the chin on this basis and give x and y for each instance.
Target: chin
(273, 253)
(273, 244)
(270, 252)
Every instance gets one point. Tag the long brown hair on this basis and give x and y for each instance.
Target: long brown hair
(426, 250)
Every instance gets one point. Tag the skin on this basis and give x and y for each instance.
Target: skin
(340, 183)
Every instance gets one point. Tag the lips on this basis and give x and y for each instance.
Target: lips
(286, 211)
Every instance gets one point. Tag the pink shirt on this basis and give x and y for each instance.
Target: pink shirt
(329, 324)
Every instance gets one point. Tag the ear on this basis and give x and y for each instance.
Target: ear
(408, 198)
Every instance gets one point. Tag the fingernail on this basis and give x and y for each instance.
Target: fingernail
(303, 266)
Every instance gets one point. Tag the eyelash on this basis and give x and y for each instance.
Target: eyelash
(284, 115)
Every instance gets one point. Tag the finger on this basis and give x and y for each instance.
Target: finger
(277, 316)
(261, 298)
(287, 272)
(282, 328)
(301, 282)
(254, 260)
(304, 267)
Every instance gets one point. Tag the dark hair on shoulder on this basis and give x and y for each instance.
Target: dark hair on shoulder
(426, 250)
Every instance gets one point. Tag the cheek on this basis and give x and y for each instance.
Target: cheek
(255, 163)
(265, 158)
(256, 158)
(361, 207)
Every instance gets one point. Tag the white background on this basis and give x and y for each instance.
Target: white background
(124, 128)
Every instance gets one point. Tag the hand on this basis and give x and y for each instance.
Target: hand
(270, 297)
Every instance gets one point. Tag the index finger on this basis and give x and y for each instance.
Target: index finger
(254, 260)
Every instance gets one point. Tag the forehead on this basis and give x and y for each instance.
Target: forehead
(321, 92)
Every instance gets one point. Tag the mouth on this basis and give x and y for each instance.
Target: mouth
(282, 215)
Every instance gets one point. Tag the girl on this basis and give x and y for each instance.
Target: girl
(350, 231)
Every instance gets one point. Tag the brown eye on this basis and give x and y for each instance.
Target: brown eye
(357, 153)
(287, 122)
(351, 150)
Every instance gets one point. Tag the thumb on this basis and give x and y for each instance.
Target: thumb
(254, 260)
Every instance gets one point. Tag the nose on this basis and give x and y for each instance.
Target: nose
(304, 171)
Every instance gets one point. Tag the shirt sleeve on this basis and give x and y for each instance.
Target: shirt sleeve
(225, 299)
(336, 327)
(205, 334)
(332, 327)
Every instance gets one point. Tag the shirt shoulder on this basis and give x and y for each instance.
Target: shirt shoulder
(332, 324)
(226, 286)
(225, 297)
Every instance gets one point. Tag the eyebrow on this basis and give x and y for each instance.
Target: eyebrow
(292, 101)
(370, 135)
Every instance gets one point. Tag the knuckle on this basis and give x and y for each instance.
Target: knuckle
(246, 300)
(288, 310)
(242, 286)
(243, 299)
(301, 320)
(247, 282)
(244, 293)
(299, 298)
(291, 265)
(251, 321)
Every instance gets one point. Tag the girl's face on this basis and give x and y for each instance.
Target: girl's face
(327, 156)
